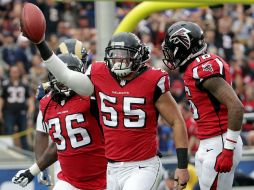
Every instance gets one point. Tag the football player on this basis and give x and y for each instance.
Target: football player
(75, 47)
(130, 95)
(71, 122)
(215, 106)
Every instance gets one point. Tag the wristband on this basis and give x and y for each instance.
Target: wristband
(182, 157)
(34, 169)
(231, 139)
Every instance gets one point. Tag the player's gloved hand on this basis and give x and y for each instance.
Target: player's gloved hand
(23, 177)
(44, 178)
(224, 161)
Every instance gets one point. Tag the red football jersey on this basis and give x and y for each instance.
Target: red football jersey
(79, 140)
(127, 111)
(210, 114)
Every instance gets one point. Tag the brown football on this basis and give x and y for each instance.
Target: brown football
(32, 21)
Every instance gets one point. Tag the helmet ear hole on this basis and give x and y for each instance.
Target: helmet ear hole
(145, 53)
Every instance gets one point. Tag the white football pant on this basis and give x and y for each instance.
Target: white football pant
(138, 175)
(205, 159)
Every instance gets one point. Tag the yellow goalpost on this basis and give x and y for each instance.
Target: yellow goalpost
(144, 9)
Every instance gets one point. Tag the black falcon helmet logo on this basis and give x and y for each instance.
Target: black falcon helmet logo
(181, 36)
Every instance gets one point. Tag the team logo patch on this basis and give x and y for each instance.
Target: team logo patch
(123, 82)
(181, 36)
(207, 67)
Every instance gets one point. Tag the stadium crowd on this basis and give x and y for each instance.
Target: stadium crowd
(229, 32)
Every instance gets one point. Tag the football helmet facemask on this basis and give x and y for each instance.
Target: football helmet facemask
(74, 63)
(75, 47)
(125, 54)
(183, 42)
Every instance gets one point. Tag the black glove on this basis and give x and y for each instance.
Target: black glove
(23, 177)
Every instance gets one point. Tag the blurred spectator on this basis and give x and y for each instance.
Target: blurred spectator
(16, 104)
(37, 73)
(24, 52)
(68, 14)
(87, 12)
(63, 31)
(237, 74)
(157, 25)
(224, 38)
(83, 22)
(242, 25)
(250, 64)
(248, 127)
(1, 119)
(53, 41)
(51, 13)
(250, 42)
(210, 39)
(8, 50)
(123, 8)
(92, 51)
(177, 90)
(217, 13)
(247, 70)
(238, 50)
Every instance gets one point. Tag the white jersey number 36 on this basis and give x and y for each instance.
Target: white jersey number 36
(72, 132)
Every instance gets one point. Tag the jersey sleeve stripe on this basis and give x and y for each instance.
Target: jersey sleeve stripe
(163, 84)
(195, 73)
(220, 65)
(39, 123)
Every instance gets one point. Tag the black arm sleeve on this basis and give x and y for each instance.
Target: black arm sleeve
(44, 49)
